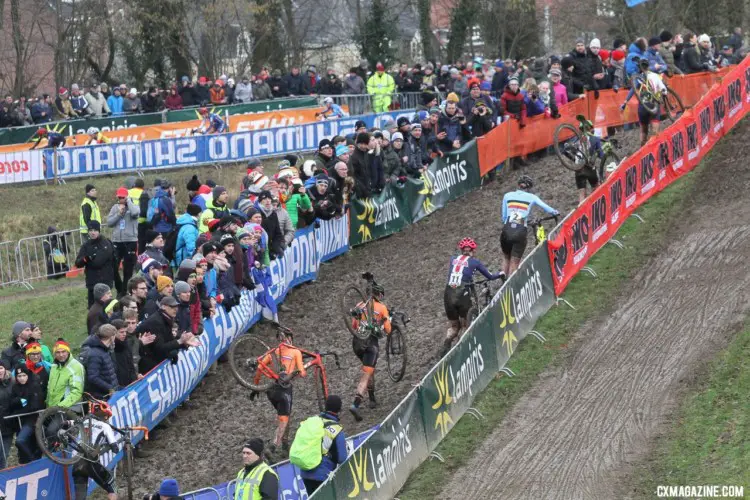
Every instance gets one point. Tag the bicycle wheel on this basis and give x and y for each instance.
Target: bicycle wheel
(648, 101)
(351, 298)
(568, 142)
(471, 315)
(320, 389)
(59, 440)
(128, 469)
(395, 353)
(673, 105)
(610, 157)
(244, 357)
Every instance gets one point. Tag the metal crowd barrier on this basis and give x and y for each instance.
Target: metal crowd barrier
(362, 104)
(35, 256)
(202, 492)
(8, 264)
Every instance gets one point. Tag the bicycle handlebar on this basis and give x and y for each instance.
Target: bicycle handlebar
(536, 222)
(335, 357)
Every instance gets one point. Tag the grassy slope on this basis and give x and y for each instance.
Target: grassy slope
(590, 297)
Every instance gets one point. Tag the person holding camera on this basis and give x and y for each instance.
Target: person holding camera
(480, 119)
(452, 129)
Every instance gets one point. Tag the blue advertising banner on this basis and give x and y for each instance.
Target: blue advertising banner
(186, 151)
(147, 401)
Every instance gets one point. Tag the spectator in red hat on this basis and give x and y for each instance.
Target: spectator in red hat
(63, 106)
(606, 82)
(617, 68)
(123, 219)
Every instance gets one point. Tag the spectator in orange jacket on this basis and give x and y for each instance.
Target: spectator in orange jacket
(217, 93)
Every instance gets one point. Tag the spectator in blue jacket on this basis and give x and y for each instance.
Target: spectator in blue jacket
(41, 111)
(79, 103)
(637, 49)
(655, 60)
(335, 454)
(534, 105)
(101, 376)
(187, 225)
(115, 102)
(165, 220)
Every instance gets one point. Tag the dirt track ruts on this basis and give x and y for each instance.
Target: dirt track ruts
(575, 434)
(203, 448)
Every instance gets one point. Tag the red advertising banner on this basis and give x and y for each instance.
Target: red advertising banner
(665, 158)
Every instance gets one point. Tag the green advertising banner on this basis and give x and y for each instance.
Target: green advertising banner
(379, 467)
(379, 216)
(523, 299)
(19, 135)
(449, 389)
(184, 115)
(446, 179)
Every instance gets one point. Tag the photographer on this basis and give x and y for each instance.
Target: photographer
(534, 105)
(480, 119)
(452, 126)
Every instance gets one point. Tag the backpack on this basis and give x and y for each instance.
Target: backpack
(153, 210)
(170, 245)
(308, 446)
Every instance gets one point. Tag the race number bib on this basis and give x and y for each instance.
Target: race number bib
(516, 217)
(457, 270)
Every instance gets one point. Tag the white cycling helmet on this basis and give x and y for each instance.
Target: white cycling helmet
(328, 100)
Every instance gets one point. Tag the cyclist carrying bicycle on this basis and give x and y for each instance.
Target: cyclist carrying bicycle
(105, 440)
(457, 296)
(211, 123)
(588, 173)
(517, 206)
(330, 110)
(54, 139)
(647, 80)
(368, 350)
(280, 395)
(96, 137)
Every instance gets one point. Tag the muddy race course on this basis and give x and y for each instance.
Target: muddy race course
(577, 432)
(204, 447)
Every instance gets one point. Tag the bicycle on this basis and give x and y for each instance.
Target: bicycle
(652, 101)
(66, 438)
(479, 301)
(395, 345)
(538, 230)
(246, 356)
(573, 149)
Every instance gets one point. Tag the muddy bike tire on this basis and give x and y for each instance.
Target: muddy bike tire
(559, 141)
(395, 353)
(609, 157)
(320, 392)
(128, 469)
(471, 315)
(673, 105)
(241, 364)
(47, 416)
(351, 297)
(650, 104)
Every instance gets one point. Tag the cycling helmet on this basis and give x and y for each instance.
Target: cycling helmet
(203, 111)
(378, 290)
(42, 131)
(525, 182)
(467, 243)
(328, 100)
(100, 409)
(92, 131)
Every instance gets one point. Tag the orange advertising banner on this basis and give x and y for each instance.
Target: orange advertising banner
(237, 123)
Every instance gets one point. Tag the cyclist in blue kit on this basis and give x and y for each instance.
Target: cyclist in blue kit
(457, 297)
(517, 206)
(211, 123)
(54, 139)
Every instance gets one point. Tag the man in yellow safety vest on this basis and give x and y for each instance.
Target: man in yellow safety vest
(381, 86)
(256, 480)
(89, 211)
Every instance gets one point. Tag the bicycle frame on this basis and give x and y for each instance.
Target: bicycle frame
(316, 361)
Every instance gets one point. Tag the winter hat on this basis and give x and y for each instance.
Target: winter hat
(513, 80)
(88, 188)
(121, 193)
(193, 209)
(654, 40)
(704, 38)
(163, 282)
(359, 124)
(595, 44)
(580, 40)
(398, 136)
(665, 36)
(485, 86)
(94, 225)
(193, 184)
(210, 183)
(226, 239)
(422, 115)
(251, 211)
(62, 91)
(241, 233)
(100, 290)
(341, 150)
(454, 71)
(149, 264)
(243, 205)
(217, 191)
(151, 235)
(322, 179)
(402, 121)
(18, 327)
(435, 111)
(416, 125)
(169, 488)
(604, 54)
(22, 368)
(333, 404)
(213, 225)
(619, 42)
(292, 159)
(265, 195)
(325, 142)
(254, 162)
(555, 72)
(181, 287)
(133, 91)
(189, 264)
(499, 63)
(452, 97)
(386, 135)
(61, 345)
(33, 348)
(256, 445)
(618, 55)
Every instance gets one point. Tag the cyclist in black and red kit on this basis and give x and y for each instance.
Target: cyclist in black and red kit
(457, 297)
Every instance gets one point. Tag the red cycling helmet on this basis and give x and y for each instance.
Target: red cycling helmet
(203, 111)
(100, 409)
(42, 131)
(467, 243)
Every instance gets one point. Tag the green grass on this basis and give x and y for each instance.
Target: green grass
(711, 441)
(591, 297)
(60, 314)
